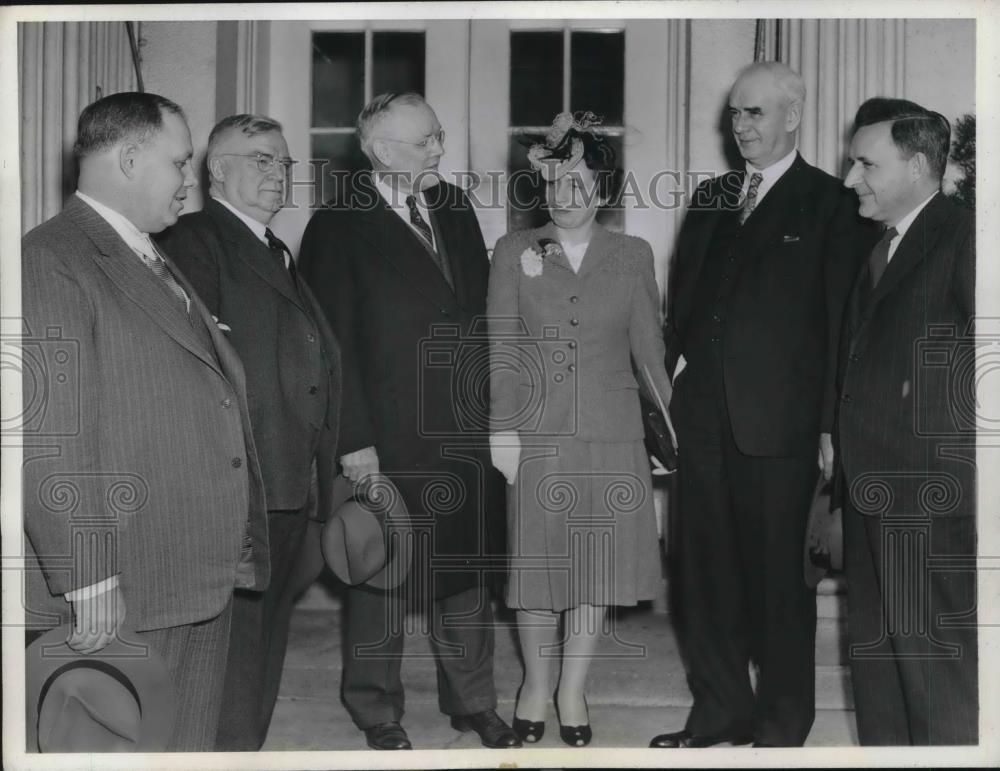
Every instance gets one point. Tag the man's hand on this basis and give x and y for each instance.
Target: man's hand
(505, 452)
(357, 465)
(826, 455)
(96, 621)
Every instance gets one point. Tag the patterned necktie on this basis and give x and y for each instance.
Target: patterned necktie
(751, 200)
(878, 260)
(278, 247)
(425, 231)
(419, 222)
(155, 262)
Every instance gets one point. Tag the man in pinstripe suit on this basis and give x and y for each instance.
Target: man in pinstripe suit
(143, 502)
(907, 439)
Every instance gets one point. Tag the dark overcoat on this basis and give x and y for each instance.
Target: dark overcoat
(415, 360)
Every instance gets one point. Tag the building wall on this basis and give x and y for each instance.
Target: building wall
(186, 60)
(179, 62)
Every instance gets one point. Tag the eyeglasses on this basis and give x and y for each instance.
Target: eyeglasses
(264, 161)
(437, 136)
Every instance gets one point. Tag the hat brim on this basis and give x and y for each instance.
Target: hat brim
(395, 522)
(137, 663)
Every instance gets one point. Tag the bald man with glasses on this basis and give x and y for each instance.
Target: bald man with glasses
(248, 280)
(400, 268)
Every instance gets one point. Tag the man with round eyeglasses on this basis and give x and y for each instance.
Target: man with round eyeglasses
(247, 277)
(400, 267)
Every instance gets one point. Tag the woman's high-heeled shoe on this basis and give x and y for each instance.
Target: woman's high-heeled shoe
(530, 731)
(574, 735)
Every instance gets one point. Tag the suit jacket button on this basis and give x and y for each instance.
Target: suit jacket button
(575, 322)
(227, 403)
(311, 337)
(853, 357)
(237, 463)
(572, 344)
(571, 368)
(313, 389)
(558, 378)
(574, 299)
(444, 312)
(846, 399)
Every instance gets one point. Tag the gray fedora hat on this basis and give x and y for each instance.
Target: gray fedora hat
(120, 699)
(367, 539)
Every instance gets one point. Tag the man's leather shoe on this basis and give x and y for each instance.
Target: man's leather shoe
(683, 739)
(387, 736)
(494, 733)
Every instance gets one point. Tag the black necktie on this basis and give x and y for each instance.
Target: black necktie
(878, 260)
(278, 247)
(419, 222)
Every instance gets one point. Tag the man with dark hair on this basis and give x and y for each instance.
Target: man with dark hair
(147, 409)
(906, 434)
(247, 278)
(763, 266)
(404, 273)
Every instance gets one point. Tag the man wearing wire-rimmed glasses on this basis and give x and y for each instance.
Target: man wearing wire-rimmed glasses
(247, 277)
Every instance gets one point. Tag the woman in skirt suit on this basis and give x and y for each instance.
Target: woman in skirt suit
(574, 323)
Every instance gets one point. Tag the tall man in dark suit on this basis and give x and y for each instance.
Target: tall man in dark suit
(763, 266)
(907, 439)
(399, 265)
(144, 502)
(247, 278)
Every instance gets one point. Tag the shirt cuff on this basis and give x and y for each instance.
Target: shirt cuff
(89, 592)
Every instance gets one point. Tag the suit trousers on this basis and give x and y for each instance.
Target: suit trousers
(461, 639)
(258, 640)
(912, 630)
(739, 592)
(195, 655)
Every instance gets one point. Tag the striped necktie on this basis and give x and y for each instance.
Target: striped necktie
(155, 262)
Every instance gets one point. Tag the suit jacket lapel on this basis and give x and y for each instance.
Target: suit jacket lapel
(138, 282)
(402, 248)
(918, 240)
(598, 250)
(256, 253)
(558, 260)
(773, 212)
(723, 201)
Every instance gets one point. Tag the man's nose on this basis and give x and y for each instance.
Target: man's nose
(853, 176)
(190, 178)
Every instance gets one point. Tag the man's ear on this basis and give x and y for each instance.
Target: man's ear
(216, 169)
(919, 166)
(793, 116)
(127, 157)
(382, 152)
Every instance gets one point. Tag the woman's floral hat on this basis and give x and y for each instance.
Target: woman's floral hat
(563, 146)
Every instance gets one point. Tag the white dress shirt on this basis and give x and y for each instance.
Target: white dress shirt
(769, 176)
(397, 202)
(574, 254)
(904, 224)
(257, 227)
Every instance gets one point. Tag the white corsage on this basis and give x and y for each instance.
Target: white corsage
(531, 262)
(222, 326)
(533, 258)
